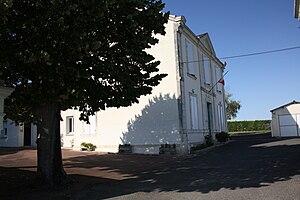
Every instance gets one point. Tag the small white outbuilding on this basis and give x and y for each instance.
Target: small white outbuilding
(286, 120)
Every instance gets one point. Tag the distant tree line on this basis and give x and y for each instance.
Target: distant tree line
(257, 125)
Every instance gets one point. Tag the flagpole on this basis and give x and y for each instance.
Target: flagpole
(218, 81)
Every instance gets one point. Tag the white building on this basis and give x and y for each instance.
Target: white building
(4, 92)
(286, 120)
(187, 105)
(18, 136)
(11, 135)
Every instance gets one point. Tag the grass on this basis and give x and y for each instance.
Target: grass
(249, 132)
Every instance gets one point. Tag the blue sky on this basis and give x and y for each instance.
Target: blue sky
(237, 27)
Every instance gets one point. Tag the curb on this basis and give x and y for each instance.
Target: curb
(195, 153)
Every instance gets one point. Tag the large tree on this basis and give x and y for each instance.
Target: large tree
(83, 54)
(232, 106)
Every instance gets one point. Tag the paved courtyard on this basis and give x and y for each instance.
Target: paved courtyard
(245, 168)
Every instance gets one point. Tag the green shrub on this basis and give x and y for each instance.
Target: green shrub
(209, 140)
(88, 146)
(222, 136)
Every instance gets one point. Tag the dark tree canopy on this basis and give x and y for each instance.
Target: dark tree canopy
(232, 106)
(84, 53)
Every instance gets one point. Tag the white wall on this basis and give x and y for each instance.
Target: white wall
(196, 85)
(12, 139)
(4, 92)
(191, 87)
(33, 135)
(289, 110)
(153, 121)
(15, 135)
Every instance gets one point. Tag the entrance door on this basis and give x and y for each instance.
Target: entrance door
(288, 125)
(27, 135)
(209, 117)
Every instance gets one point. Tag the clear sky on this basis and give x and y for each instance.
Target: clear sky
(237, 27)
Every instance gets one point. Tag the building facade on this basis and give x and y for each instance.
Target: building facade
(187, 105)
(286, 120)
(4, 92)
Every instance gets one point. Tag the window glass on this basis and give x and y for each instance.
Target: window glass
(70, 124)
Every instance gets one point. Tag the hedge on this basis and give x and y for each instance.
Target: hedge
(257, 125)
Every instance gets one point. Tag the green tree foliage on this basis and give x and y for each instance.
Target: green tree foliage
(84, 54)
(257, 125)
(232, 106)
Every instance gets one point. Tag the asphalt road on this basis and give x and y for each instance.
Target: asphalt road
(246, 168)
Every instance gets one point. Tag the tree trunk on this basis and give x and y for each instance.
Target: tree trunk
(50, 170)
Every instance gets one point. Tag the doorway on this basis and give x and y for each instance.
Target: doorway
(27, 135)
(209, 118)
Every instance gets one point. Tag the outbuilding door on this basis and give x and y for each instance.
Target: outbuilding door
(289, 125)
(27, 135)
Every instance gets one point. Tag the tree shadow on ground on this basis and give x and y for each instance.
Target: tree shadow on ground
(13, 150)
(239, 164)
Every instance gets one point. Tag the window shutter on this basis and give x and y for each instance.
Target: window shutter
(207, 71)
(194, 112)
(190, 49)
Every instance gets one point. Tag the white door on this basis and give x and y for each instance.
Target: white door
(288, 125)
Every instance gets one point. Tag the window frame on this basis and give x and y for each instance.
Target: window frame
(190, 58)
(70, 130)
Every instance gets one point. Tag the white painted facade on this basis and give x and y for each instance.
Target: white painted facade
(18, 136)
(4, 92)
(286, 120)
(187, 105)
(12, 135)
(177, 110)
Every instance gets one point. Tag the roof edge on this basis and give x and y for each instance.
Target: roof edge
(285, 105)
